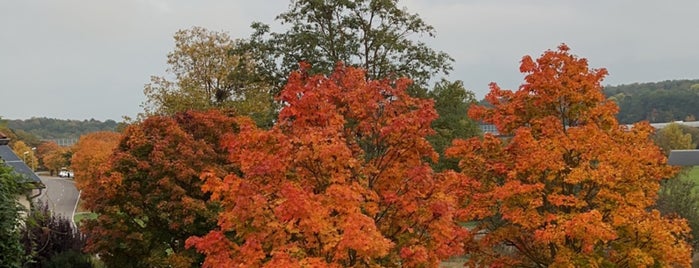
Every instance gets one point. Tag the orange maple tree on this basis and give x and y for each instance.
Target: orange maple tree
(340, 180)
(53, 157)
(565, 184)
(90, 155)
(149, 197)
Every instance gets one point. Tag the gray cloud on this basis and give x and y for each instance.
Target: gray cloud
(81, 59)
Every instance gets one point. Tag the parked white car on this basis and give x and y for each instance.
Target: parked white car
(65, 174)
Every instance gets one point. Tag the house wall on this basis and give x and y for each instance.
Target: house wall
(25, 202)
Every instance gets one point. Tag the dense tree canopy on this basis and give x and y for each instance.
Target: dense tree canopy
(376, 35)
(657, 102)
(90, 155)
(569, 186)
(452, 101)
(26, 153)
(52, 156)
(149, 199)
(340, 180)
(11, 251)
(209, 75)
(672, 137)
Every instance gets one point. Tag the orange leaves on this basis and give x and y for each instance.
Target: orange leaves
(89, 163)
(361, 235)
(216, 244)
(340, 180)
(53, 156)
(570, 184)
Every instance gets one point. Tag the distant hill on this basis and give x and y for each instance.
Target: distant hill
(658, 102)
(49, 128)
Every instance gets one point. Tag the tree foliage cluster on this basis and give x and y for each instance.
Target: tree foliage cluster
(570, 186)
(11, 251)
(678, 196)
(208, 74)
(156, 166)
(356, 163)
(53, 157)
(376, 35)
(26, 153)
(35, 238)
(89, 156)
(343, 178)
(52, 241)
(660, 102)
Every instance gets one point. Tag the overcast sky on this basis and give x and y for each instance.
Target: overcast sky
(82, 59)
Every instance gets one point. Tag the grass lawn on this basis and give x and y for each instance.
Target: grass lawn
(84, 215)
(694, 174)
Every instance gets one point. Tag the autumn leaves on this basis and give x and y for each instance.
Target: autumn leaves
(570, 186)
(343, 178)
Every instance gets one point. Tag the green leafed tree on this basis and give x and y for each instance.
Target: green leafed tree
(676, 197)
(376, 35)
(452, 101)
(11, 251)
(208, 75)
(672, 137)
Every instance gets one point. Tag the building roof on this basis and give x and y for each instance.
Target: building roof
(3, 139)
(9, 158)
(683, 158)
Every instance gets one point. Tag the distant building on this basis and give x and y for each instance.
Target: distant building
(663, 125)
(67, 142)
(489, 128)
(9, 158)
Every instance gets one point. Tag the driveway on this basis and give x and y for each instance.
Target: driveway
(60, 194)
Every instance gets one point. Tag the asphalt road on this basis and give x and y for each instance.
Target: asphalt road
(61, 195)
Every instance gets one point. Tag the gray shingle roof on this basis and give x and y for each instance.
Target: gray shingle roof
(9, 158)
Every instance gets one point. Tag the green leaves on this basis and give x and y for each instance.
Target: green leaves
(209, 75)
(376, 35)
(11, 251)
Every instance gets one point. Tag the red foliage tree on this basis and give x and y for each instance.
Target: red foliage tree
(149, 197)
(567, 185)
(340, 180)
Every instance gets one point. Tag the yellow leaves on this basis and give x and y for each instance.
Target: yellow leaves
(570, 176)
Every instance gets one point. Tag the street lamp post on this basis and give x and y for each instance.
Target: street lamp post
(24, 158)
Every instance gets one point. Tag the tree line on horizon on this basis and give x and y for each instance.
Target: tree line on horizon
(656, 102)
